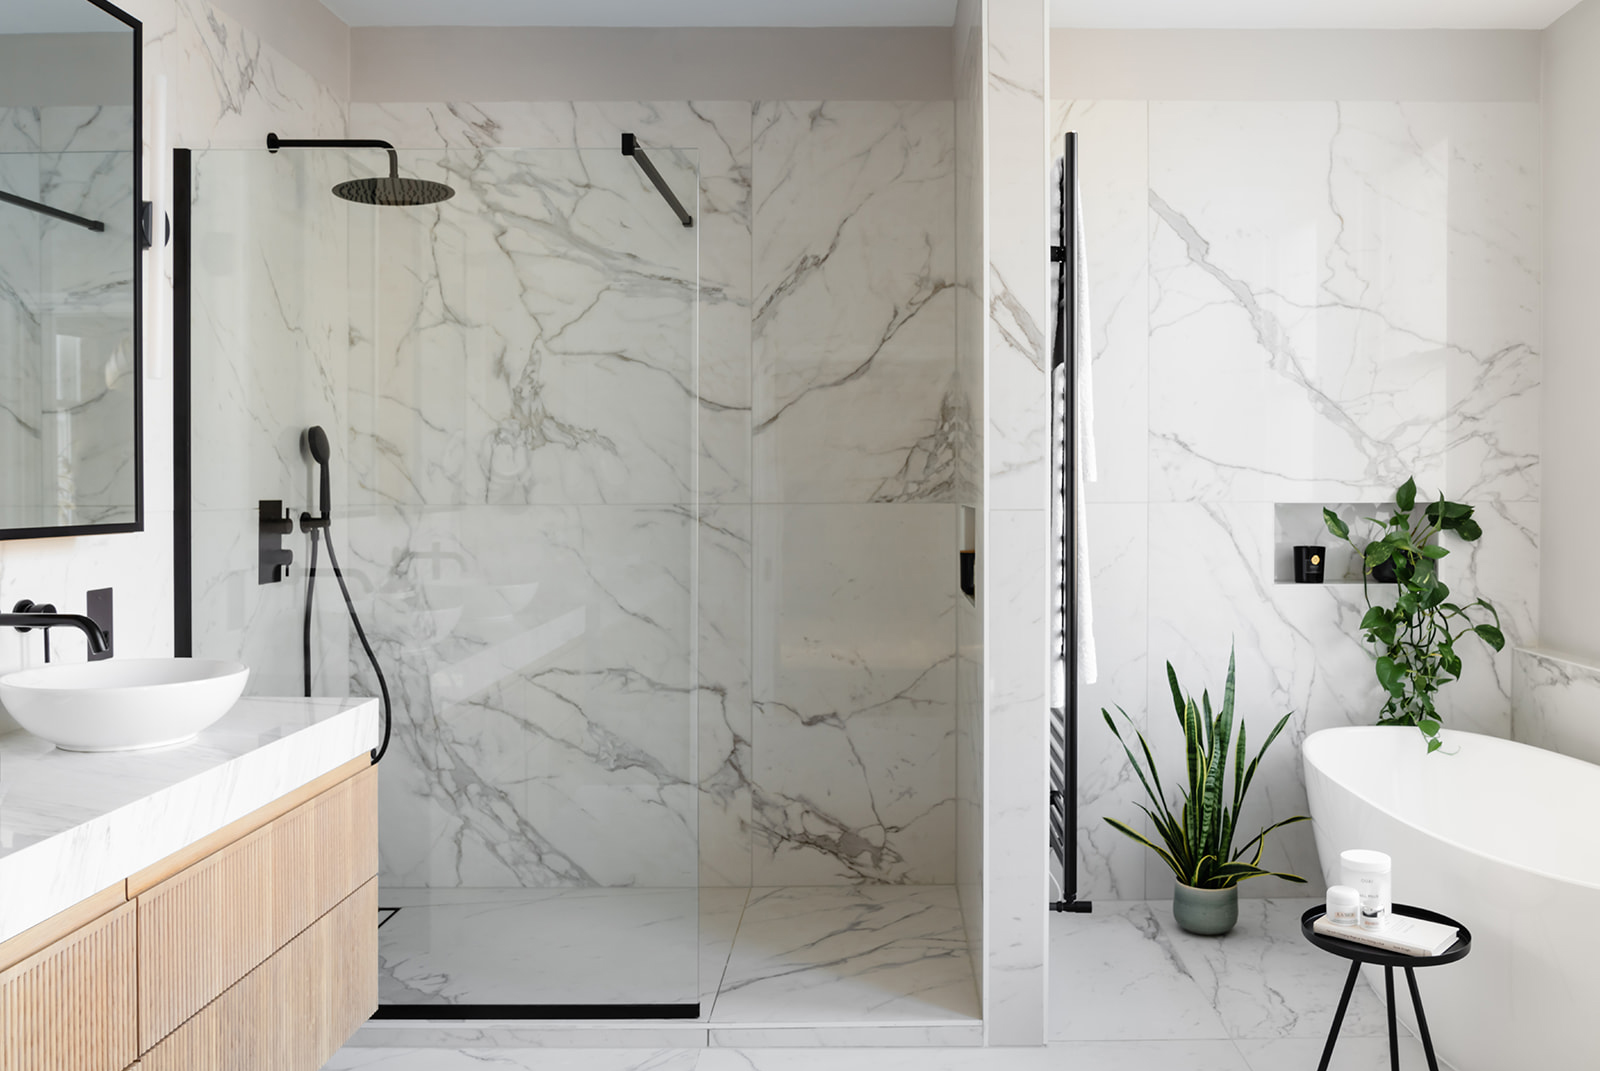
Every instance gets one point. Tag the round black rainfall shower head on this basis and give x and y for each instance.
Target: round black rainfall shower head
(393, 191)
(389, 190)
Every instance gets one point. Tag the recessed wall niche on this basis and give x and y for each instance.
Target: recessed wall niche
(1299, 524)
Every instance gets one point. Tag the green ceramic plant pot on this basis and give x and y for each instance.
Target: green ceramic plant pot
(1208, 912)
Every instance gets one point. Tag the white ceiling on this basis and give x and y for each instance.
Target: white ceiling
(1133, 14)
(645, 12)
(1309, 14)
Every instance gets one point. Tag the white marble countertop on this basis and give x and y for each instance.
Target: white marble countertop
(74, 824)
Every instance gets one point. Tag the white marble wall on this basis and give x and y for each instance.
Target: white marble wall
(831, 434)
(224, 87)
(1016, 496)
(1556, 704)
(1295, 302)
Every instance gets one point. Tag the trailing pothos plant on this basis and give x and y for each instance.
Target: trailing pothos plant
(1197, 841)
(1416, 637)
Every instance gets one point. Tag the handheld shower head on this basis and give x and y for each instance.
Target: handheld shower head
(317, 444)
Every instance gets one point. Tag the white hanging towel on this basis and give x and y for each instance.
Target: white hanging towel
(1088, 466)
(1080, 361)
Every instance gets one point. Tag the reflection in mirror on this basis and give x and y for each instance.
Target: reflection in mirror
(69, 329)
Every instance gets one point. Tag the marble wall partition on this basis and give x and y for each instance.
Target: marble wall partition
(1556, 703)
(1295, 302)
(832, 435)
(1017, 522)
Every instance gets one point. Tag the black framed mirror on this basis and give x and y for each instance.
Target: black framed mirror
(71, 272)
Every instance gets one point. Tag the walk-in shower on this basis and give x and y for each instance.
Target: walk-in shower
(504, 362)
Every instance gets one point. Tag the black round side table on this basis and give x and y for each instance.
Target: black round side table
(1360, 953)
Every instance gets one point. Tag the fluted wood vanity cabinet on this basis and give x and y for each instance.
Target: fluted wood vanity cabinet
(255, 948)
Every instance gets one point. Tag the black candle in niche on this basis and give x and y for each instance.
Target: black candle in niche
(1308, 563)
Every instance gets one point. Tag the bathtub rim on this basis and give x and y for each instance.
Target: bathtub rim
(1306, 758)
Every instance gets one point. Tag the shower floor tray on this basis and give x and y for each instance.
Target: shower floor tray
(775, 966)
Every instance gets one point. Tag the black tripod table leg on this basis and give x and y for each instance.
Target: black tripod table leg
(1338, 1016)
(1394, 1029)
(1422, 1020)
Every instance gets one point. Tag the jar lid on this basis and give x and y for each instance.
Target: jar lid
(1343, 896)
(1361, 859)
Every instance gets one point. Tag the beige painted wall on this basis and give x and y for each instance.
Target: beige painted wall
(410, 64)
(1417, 65)
(1569, 572)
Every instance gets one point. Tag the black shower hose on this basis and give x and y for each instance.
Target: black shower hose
(361, 634)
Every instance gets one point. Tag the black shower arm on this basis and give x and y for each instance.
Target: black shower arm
(53, 213)
(630, 147)
(274, 143)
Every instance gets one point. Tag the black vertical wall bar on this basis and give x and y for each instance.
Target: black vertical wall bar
(182, 445)
(1064, 719)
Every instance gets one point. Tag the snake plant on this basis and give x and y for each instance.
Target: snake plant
(1198, 838)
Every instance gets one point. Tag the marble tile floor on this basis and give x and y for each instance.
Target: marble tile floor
(869, 965)
(1129, 992)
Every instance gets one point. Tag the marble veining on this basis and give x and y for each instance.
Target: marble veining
(854, 680)
(819, 956)
(1295, 302)
(853, 312)
(73, 824)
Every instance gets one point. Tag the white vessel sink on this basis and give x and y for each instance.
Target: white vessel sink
(122, 705)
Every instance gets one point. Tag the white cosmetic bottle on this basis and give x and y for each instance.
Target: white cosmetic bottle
(1344, 906)
(1369, 874)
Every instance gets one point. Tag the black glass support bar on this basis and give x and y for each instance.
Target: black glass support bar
(630, 147)
(54, 213)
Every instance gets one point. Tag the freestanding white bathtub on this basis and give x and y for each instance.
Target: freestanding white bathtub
(1503, 837)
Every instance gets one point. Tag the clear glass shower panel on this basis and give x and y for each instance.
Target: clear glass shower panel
(523, 440)
(509, 380)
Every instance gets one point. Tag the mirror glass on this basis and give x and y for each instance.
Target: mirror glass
(69, 269)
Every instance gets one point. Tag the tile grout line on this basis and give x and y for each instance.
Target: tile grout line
(727, 961)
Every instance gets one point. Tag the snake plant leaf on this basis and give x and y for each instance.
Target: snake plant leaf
(1335, 525)
(1406, 496)
(1259, 840)
(1166, 857)
(1178, 701)
(1238, 771)
(1156, 793)
(1221, 736)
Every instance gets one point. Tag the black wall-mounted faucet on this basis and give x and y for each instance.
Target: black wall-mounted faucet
(27, 615)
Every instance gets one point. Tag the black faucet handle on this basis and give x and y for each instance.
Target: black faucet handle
(28, 606)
